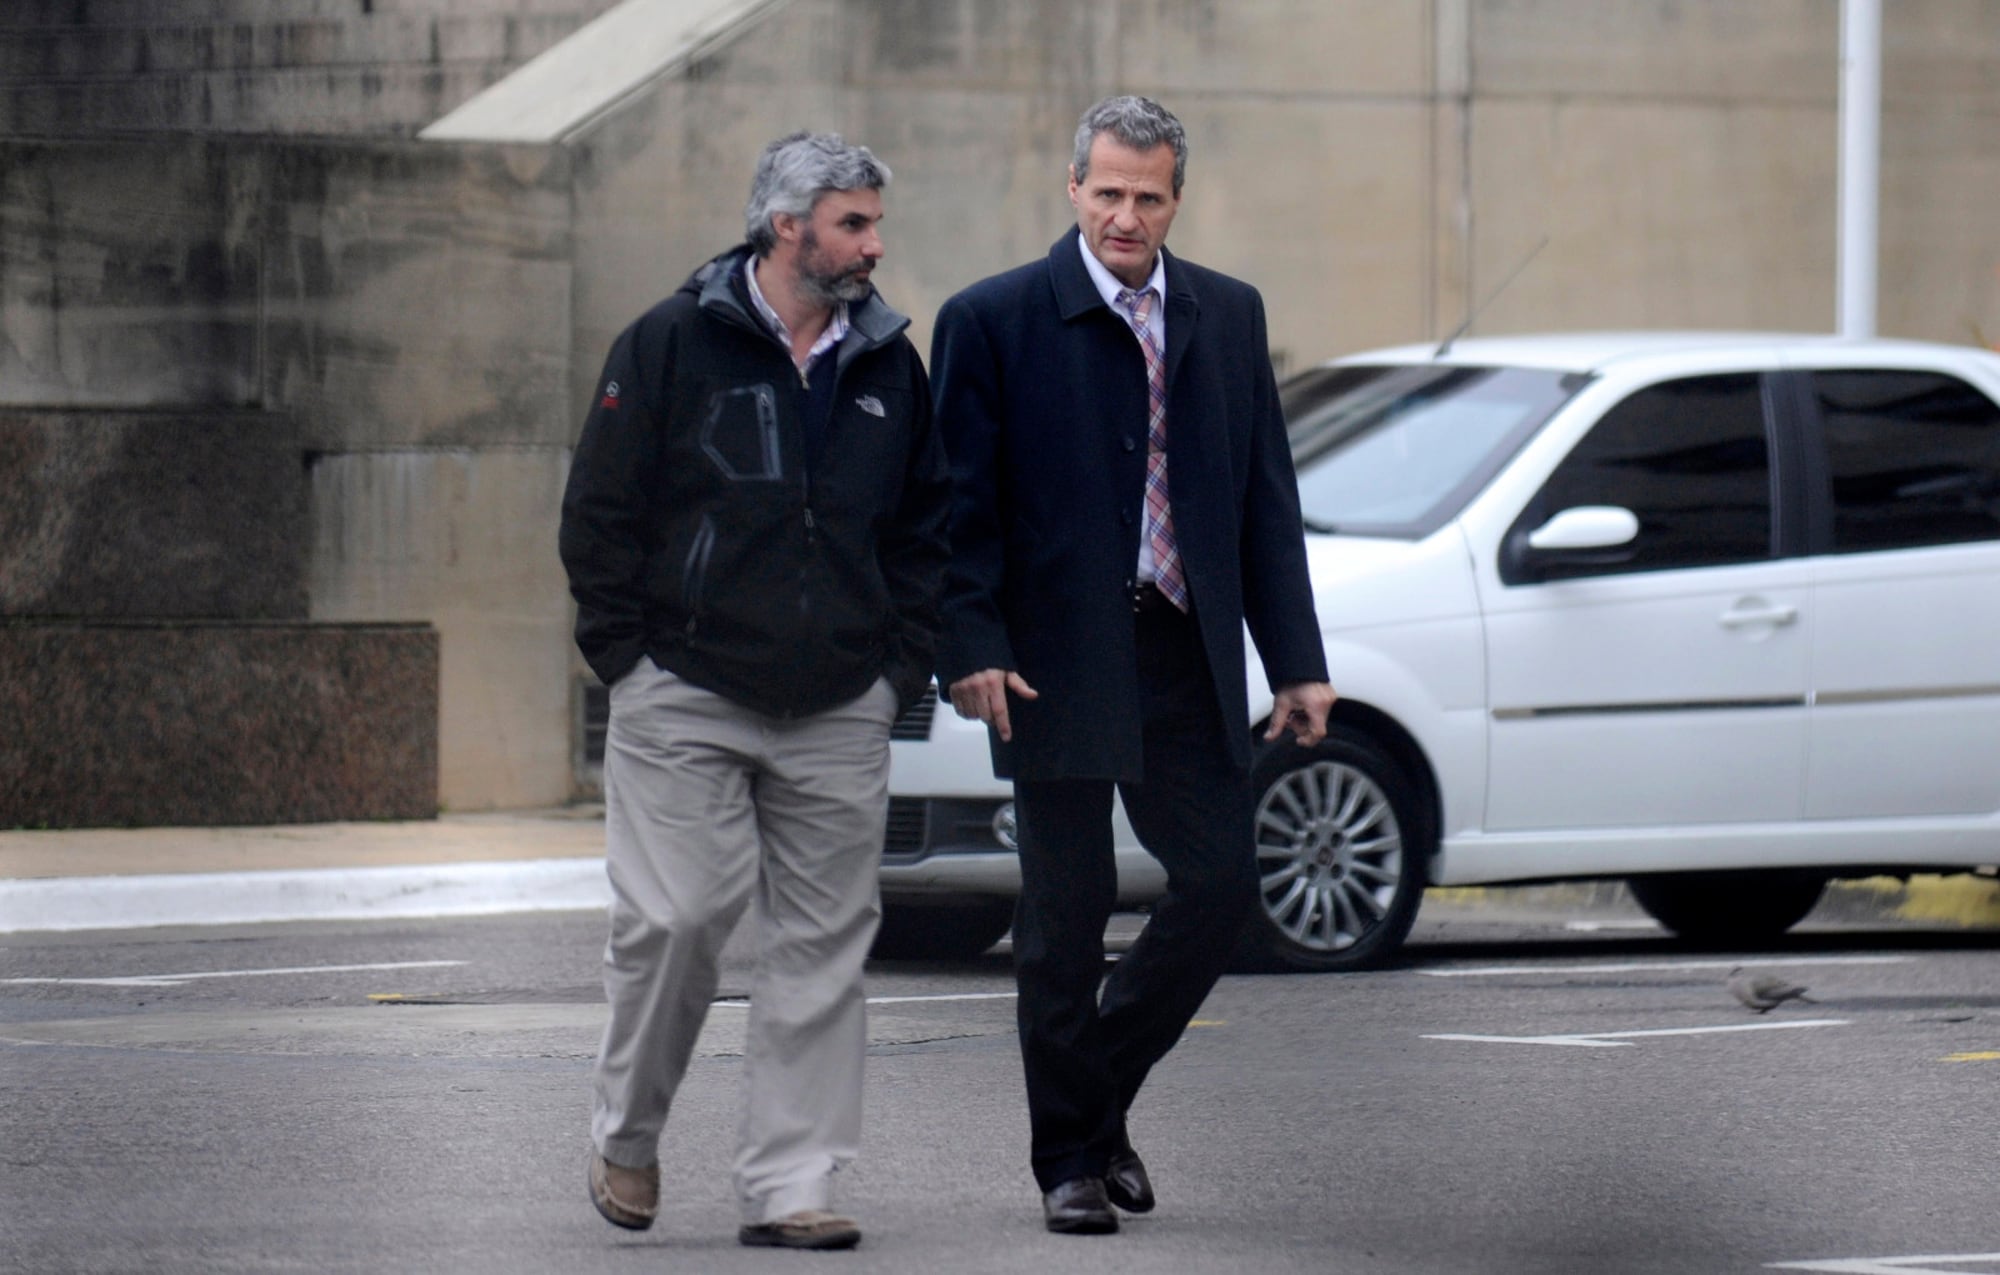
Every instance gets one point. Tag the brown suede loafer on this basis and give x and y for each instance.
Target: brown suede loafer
(808, 1228)
(626, 1197)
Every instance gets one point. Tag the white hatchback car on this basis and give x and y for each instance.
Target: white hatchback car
(1718, 614)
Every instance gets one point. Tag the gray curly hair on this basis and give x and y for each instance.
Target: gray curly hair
(1138, 122)
(794, 171)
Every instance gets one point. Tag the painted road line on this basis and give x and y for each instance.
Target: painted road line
(1928, 1264)
(175, 980)
(1595, 927)
(1632, 967)
(1982, 1055)
(1615, 1040)
(743, 1002)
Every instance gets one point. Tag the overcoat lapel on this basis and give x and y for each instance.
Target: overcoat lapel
(1182, 311)
(1194, 444)
(1076, 295)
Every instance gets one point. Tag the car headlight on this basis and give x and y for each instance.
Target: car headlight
(1003, 826)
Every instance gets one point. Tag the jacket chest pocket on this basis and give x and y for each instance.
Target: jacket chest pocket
(740, 435)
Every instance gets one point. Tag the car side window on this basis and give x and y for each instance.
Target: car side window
(1915, 459)
(1691, 459)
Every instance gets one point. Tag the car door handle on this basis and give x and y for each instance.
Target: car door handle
(1743, 617)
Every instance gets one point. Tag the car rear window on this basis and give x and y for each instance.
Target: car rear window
(1915, 458)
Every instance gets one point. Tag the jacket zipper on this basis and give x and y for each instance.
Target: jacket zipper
(694, 572)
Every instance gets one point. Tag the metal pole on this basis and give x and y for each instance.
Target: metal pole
(1860, 163)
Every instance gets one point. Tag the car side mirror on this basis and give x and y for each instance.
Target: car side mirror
(1581, 536)
(1585, 527)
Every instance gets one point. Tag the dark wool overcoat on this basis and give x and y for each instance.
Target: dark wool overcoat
(1042, 401)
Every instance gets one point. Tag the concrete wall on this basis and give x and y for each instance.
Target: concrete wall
(344, 67)
(130, 273)
(401, 310)
(417, 295)
(1371, 164)
(463, 538)
(418, 329)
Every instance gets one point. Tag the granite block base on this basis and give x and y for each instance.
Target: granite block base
(206, 724)
(152, 515)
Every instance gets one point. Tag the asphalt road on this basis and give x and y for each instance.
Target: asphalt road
(1518, 1096)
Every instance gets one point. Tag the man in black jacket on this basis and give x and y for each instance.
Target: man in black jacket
(1125, 507)
(754, 535)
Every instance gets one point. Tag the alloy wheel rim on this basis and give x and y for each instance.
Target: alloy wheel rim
(1329, 855)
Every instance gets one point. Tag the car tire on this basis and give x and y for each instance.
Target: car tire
(1728, 907)
(944, 932)
(1343, 843)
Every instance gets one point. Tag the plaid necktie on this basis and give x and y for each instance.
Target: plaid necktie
(1159, 519)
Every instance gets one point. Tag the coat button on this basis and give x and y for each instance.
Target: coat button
(1125, 517)
(1131, 443)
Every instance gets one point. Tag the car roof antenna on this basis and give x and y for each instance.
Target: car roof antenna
(1444, 346)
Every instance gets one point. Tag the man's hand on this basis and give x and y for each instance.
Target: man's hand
(982, 696)
(1300, 708)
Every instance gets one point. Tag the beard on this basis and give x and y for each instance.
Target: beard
(823, 282)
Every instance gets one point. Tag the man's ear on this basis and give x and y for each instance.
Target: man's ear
(787, 226)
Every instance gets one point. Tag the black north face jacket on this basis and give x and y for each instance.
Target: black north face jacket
(696, 531)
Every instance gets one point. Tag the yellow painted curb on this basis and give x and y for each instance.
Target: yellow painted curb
(1558, 894)
(1457, 893)
(1955, 900)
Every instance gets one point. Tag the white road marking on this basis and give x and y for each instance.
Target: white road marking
(743, 1002)
(175, 980)
(1593, 927)
(1633, 967)
(1617, 1040)
(1923, 1265)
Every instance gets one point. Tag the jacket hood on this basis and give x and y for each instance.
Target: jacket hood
(871, 322)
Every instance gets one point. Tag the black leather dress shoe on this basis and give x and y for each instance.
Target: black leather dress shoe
(1079, 1207)
(1126, 1184)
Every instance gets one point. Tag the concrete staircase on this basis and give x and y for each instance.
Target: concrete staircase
(77, 68)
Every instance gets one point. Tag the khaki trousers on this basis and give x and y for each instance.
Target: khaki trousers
(707, 806)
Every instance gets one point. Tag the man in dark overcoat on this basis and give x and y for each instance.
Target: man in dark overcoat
(1124, 504)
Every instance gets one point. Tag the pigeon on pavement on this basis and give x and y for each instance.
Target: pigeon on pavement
(1764, 992)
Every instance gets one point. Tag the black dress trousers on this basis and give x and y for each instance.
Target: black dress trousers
(1086, 1056)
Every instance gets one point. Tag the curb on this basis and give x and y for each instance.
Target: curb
(579, 884)
(317, 894)
(1963, 899)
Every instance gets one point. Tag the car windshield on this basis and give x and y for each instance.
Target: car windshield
(1398, 450)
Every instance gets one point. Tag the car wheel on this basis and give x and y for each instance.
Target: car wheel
(947, 932)
(1342, 848)
(1725, 907)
